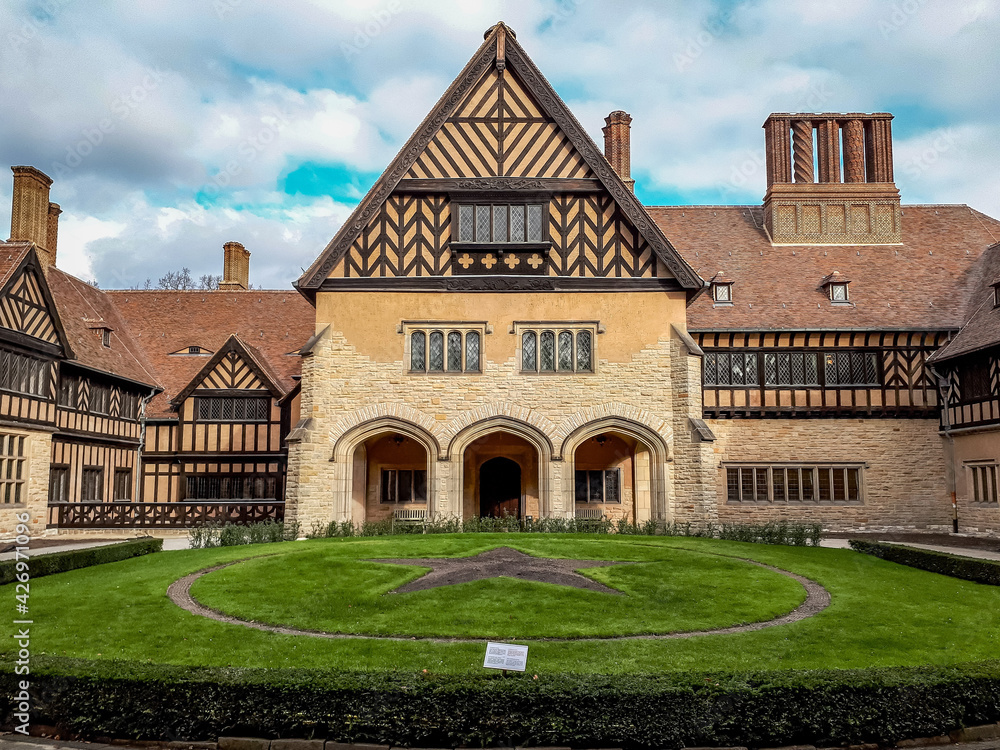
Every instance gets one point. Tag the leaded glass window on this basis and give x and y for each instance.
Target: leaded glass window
(467, 223)
(565, 351)
(534, 224)
(730, 368)
(418, 351)
(529, 351)
(603, 486)
(583, 352)
(791, 368)
(472, 344)
(851, 368)
(517, 223)
(500, 222)
(437, 352)
(454, 352)
(548, 351)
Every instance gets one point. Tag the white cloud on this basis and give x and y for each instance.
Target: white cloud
(253, 91)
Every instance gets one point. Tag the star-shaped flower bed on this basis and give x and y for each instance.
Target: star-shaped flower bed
(502, 562)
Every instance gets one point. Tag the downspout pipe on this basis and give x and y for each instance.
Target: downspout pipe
(945, 391)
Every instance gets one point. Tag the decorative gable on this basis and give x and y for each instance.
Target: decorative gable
(500, 139)
(234, 367)
(26, 307)
(499, 130)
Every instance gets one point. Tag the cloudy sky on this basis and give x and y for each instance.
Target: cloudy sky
(170, 127)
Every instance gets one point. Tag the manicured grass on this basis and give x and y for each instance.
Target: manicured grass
(882, 614)
(331, 588)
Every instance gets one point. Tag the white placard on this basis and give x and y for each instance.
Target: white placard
(506, 656)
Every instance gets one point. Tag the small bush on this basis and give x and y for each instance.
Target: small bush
(233, 535)
(59, 562)
(967, 568)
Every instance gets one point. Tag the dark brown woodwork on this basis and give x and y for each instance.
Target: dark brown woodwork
(183, 515)
(907, 389)
(477, 185)
(500, 284)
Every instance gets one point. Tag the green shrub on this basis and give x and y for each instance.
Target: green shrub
(59, 562)
(232, 535)
(837, 707)
(967, 568)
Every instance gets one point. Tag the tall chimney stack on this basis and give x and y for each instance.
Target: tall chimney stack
(236, 267)
(810, 200)
(52, 230)
(31, 219)
(617, 148)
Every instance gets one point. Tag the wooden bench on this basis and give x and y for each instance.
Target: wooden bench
(409, 516)
(590, 514)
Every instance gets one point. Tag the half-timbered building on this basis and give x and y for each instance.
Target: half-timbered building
(502, 328)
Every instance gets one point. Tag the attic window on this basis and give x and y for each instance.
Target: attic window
(722, 289)
(836, 285)
(106, 337)
(996, 293)
(194, 350)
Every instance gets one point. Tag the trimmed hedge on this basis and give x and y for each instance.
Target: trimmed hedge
(968, 568)
(59, 562)
(129, 700)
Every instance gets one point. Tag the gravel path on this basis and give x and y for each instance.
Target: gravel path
(817, 599)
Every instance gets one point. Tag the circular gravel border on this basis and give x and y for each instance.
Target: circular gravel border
(817, 599)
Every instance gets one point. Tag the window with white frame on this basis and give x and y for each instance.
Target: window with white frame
(444, 347)
(564, 348)
(722, 293)
(983, 482)
(837, 484)
(13, 469)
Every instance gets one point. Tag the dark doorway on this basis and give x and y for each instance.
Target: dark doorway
(500, 488)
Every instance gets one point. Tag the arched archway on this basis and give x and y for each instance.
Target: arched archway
(381, 466)
(617, 468)
(503, 437)
(500, 488)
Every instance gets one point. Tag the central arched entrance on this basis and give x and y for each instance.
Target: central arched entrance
(500, 477)
(499, 488)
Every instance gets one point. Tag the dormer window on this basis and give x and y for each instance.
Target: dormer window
(106, 337)
(996, 293)
(194, 350)
(722, 289)
(836, 286)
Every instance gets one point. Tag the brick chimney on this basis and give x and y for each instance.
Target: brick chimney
(32, 218)
(236, 267)
(809, 201)
(617, 148)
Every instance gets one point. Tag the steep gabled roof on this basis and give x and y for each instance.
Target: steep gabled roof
(927, 282)
(248, 354)
(277, 324)
(18, 259)
(982, 330)
(501, 49)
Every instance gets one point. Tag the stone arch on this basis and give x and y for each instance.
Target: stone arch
(346, 476)
(539, 440)
(655, 443)
(496, 410)
(383, 411)
(624, 413)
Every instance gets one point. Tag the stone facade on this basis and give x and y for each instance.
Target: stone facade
(357, 387)
(903, 470)
(38, 452)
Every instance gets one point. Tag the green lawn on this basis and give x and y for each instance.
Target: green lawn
(881, 613)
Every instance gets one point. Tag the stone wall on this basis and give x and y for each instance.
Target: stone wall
(357, 376)
(904, 484)
(978, 447)
(38, 452)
